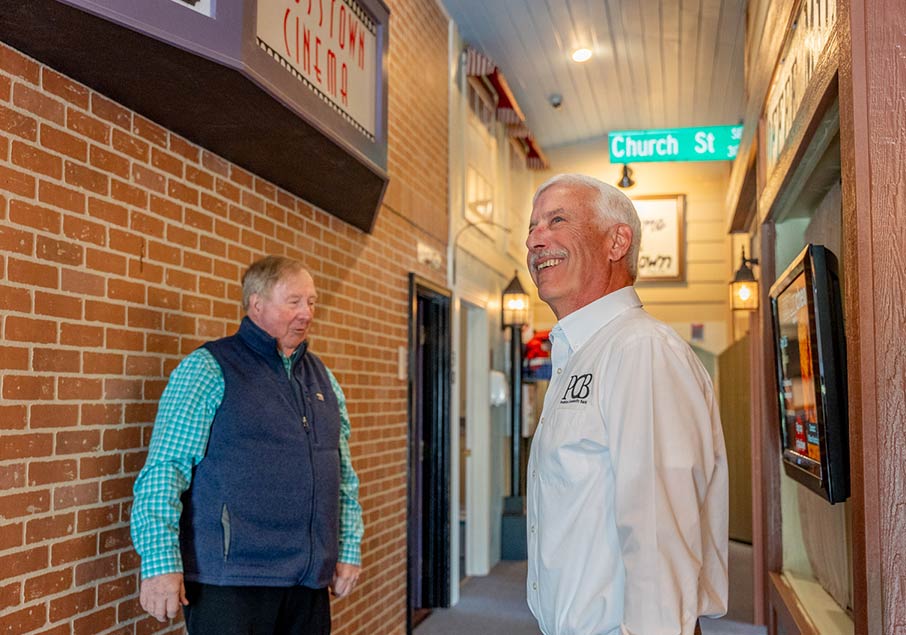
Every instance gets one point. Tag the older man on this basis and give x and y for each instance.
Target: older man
(247, 508)
(627, 480)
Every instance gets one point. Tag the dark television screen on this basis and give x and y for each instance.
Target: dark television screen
(811, 373)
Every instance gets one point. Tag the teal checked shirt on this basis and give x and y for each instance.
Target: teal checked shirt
(181, 430)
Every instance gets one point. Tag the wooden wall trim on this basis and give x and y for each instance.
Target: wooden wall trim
(786, 606)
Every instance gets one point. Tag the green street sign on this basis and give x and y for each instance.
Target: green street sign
(707, 143)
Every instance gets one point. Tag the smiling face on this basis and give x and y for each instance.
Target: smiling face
(287, 310)
(574, 257)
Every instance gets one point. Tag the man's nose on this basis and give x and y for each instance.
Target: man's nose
(537, 238)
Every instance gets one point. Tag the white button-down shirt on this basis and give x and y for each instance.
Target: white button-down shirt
(627, 480)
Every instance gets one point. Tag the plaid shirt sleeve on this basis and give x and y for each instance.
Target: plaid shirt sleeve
(351, 526)
(178, 442)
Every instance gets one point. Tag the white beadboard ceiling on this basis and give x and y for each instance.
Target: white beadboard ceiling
(656, 63)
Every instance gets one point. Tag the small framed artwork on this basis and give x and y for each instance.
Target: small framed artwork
(662, 254)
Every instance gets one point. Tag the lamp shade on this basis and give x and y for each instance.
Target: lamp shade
(744, 286)
(515, 304)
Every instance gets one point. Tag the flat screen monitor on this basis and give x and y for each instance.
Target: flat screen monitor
(810, 356)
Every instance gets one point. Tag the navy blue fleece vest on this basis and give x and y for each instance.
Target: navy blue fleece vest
(263, 507)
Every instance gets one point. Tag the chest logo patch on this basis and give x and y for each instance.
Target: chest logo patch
(578, 389)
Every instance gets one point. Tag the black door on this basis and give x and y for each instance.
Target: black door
(429, 450)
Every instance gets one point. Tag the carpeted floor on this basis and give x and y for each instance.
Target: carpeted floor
(495, 604)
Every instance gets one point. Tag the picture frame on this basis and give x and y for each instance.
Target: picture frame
(662, 253)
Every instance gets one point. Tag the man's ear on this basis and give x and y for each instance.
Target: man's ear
(254, 304)
(622, 241)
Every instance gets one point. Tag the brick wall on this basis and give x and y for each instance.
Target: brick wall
(121, 247)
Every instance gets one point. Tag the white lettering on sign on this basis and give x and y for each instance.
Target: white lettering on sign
(629, 148)
(812, 29)
(331, 47)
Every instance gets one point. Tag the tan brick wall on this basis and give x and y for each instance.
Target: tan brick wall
(121, 247)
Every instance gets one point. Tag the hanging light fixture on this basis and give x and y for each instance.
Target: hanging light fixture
(515, 304)
(744, 287)
(626, 181)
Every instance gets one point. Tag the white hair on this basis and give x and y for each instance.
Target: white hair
(611, 206)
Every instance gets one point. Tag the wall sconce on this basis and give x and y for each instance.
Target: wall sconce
(626, 181)
(515, 304)
(744, 287)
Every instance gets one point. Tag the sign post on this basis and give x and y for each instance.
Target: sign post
(705, 143)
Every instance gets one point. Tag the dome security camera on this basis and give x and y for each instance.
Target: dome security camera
(556, 100)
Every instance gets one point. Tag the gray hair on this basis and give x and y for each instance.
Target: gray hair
(262, 275)
(611, 205)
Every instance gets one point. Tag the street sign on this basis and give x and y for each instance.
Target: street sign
(706, 143)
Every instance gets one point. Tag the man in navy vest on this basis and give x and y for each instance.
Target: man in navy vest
(246, 511)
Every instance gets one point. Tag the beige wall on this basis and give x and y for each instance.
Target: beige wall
(704, 297)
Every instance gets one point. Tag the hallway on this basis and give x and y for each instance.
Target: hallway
(495, 604)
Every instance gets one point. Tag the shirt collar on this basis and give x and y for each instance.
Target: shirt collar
(580, 325)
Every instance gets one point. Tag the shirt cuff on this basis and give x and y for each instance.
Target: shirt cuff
(164, 561)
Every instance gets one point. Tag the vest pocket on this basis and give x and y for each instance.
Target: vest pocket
(225, 525)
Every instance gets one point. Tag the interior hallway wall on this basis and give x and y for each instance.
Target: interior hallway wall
(704, 296)
(121, 248)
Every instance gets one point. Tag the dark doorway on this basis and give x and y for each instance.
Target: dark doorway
(429, 450)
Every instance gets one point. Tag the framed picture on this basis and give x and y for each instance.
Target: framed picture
(662, 253)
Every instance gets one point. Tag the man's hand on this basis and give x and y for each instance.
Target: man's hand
(161, 595)
(344, 579)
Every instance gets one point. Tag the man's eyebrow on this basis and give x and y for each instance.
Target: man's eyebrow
(548, 213)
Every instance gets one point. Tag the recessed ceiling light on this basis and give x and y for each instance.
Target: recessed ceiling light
(581, 55)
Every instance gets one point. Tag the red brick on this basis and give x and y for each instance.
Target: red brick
(128, 144)
(22, 329)
(122, 439)
(42, 529)
(23, 213)
(9, 595)
(214, 163)
(182, 192)
(118, 339)
(62, 629)
(75, 495)
(101, 414)
(77, 602)
(96, 569)
(85, 177)
(116, 589)
(162, 252)
(47, 472)
(127, 291)
(64, 252)
(167, 162)
(18, 124)
(88, 126)
(22, 387)
(149, 179)
(13, 417)
(181, 236)
(15, 240)
(63, 197)
(146, 365)
(12, 476)
(84, 231)
(36, 160)
(13, 358)
(78, 388)
(54, 415)
(127, 242)
(105, 312)
(134, 461)
(24, 504)
(56, 360)
(105, 261)
(78, 548)
(144, 412)
(148, 319)
(111, 111)
(117, 488)
(81, 335)
(196, 305)
(103, 465)
(99, 621)
(182, 280)
(24, 621)
(129, 194)
(48, 584)
(199, 177)
(163, 344)
(64, 87)
(98, 517)
(39, 104)
(11, 535)
(149, 131)
(64, 143)
(102, 363)
(78, 442)
(110, 212)
(141, 270)
(15, 299)
(108, 161)
(16, 182)
(32, 273)
(15, 63)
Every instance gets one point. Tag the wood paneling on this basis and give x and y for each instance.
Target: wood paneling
(734, 366)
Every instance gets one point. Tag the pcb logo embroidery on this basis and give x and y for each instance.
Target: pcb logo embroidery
(578, 389)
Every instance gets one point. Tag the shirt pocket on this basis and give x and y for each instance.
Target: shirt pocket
(575, 446)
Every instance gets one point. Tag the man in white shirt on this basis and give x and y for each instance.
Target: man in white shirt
(627, 480)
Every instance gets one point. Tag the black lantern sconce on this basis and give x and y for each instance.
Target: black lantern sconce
(744, 286)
